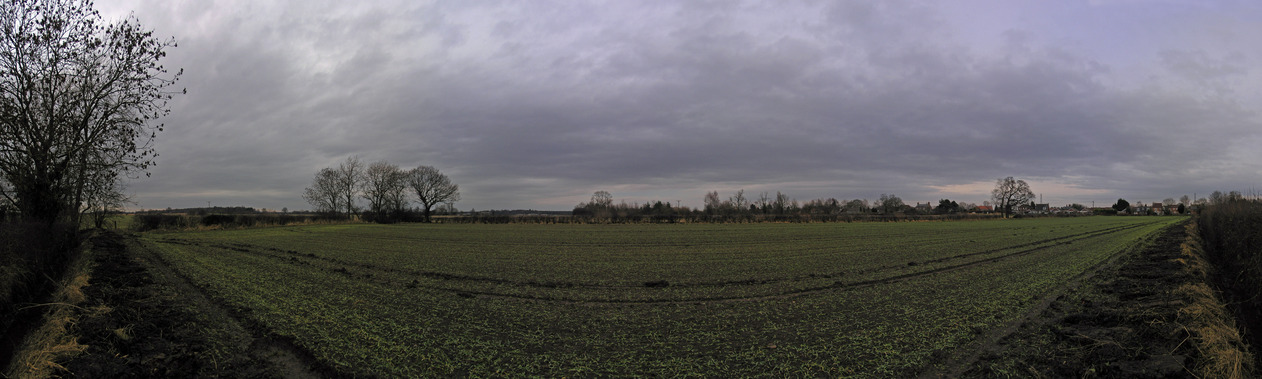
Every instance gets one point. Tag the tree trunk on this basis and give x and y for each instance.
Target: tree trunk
(38, 202)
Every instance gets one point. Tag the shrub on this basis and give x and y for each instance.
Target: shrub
(146, 222)
(216, 219)
(1232, 235)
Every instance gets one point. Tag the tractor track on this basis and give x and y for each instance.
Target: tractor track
(383, 275)
(287, 358)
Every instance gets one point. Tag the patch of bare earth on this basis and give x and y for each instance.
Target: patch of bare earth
(142, 319)
(1130, 320)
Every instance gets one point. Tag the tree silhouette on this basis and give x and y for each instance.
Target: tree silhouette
(77, 101)
(431, 188)
(1009, 193)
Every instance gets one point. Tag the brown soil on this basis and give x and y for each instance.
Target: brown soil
(141, 319)
(1123, 322)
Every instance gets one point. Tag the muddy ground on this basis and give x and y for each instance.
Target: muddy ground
(143, 320)
(1121, 323)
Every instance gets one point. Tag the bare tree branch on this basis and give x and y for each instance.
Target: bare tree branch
(431, 188)
(78, 99)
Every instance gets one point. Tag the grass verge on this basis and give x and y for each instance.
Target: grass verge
(39, 353)
(1211, 326)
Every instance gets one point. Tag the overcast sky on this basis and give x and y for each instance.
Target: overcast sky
(537, 104)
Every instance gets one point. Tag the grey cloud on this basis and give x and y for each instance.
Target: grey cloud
(527, 105)
(742, 112)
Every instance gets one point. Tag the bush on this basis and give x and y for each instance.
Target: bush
(211, 220)
(146, 222)
(1232, 233)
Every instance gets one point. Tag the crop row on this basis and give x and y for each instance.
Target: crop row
(370, 321)
(632, 255)
(874, 268)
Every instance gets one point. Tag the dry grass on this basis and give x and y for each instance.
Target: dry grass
(1211, 326)
(51, 342)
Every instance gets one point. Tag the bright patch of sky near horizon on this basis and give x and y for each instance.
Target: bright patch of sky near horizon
(539, 104)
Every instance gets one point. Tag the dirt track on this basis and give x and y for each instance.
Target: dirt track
(1122, 322)
(143, 320)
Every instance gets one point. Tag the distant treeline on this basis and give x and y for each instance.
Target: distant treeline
(740, 209)
(240, 217)
(694, 216)
(171, 221)
(204, 211)
(768, 208)
(514, 212)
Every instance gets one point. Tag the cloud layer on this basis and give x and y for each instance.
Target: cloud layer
(538, 104)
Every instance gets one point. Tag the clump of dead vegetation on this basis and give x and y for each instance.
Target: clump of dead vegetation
(1211, 326)
(52, 341)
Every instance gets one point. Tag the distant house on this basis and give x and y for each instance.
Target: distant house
(984, 209)
(1040, 208)
(926, 207)
(1158, 208)
(1069, 210)
(1172, 209)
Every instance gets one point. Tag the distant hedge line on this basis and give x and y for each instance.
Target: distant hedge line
(146, 222)
(699, 218)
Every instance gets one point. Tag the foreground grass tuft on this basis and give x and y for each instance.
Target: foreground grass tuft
(52, 342)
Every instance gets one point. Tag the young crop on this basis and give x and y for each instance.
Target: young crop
(888, 299)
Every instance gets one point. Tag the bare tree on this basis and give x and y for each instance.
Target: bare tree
(348, 182)
(601, 205)
(781, 203)
(325, 191)
(104, 195)
(763, 201)
(1217, 198)
(856, 206)
(602, 199)
(890, 203)
(1185, 200)
(6, 199)
(739, 201)
(385, 188)
(1009, 193)
(712, 202)
(77, 97)
(432, 188)
(97, 193)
